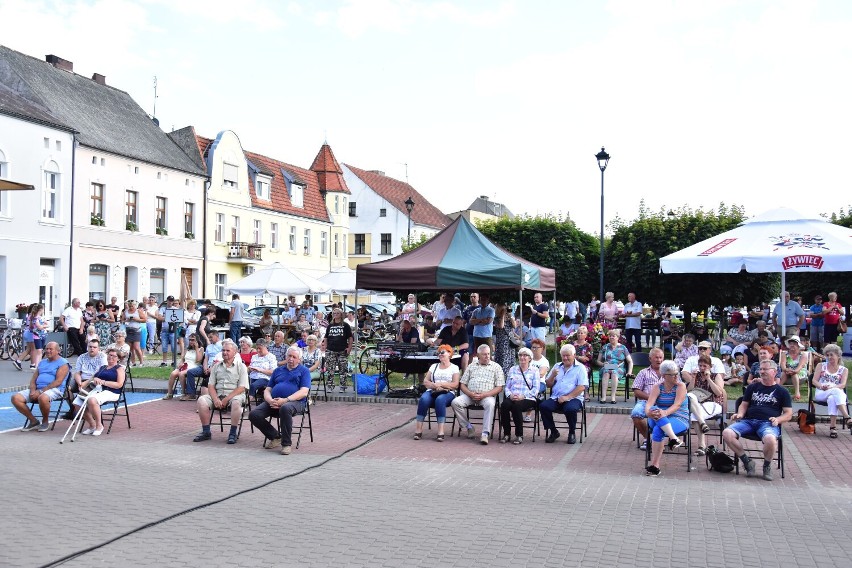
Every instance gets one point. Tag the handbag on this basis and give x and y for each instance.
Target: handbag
(807, 422)
(841, 326)
(702, 395)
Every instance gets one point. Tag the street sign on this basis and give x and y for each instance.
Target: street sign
(174, 315)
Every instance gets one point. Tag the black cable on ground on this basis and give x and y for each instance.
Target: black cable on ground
(92, 548)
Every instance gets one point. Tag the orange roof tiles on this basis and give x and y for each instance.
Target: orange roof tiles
(397, 192)
(328, 171)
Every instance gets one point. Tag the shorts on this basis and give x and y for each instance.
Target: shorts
(208, 400)
(102, 396)
(639, 409)
(818, 333)
(54, 394)
(751, 427)
(39, 342)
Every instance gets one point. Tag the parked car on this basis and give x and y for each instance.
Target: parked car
(251, 322)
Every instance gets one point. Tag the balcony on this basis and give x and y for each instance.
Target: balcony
(244, 253)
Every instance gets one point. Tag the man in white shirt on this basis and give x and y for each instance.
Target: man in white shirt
(448, 312)
(72, 322)
(632, 313)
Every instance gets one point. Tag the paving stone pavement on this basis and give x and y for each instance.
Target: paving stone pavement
(400, 502)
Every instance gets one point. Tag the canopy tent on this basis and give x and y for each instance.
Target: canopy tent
(780, 240)
(277, 280)
(457, 258)
(342, 281)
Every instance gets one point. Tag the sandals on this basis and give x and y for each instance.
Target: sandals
(832, 432)
(701, 451)
(418, 435)
(704, 429)
(849, 423)
(439, 438)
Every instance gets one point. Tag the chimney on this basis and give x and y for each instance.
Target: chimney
(99, 79)
(60, 63)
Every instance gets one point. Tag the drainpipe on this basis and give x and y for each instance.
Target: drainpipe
(71, 232)
(204, 243)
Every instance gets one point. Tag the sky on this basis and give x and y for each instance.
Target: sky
(742, 102)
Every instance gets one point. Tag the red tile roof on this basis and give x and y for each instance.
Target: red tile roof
(397, 192)
(314, 206)
(328, 171)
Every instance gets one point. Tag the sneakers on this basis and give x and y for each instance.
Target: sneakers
(44, 427)
(17, 364)
(643, 446)
(652, 471)
(30, 426)
(504, 439)
(483, 439)
(518, 440)
(767, 470)
(88, 432)
(272, 444)
(674, 444)
(232, 438)
(164, 364)
(98, 432)
(527, 418)
(471, 433)
(286, 450)
(168, 396)
(749, 467)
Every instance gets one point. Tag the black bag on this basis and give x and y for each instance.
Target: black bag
(719, 461)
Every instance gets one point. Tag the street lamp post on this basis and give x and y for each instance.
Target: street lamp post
(409, 205)
(603, 160)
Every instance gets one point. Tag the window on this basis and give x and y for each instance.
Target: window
(336, 245)
(235, 228)
(230, 176)
(273, 236)
(159, 175)
(324, 243)
(221, 280)
(307, 241)
(103, 161)
(97, 195)
(158, 284)
(297, 195)
(161, 213)
(360, 243)
(336, 204)
(95, 160)
(136, 169)
(220, 227)
(47, 143)
(98, 281)
(352, 209)
(293, 239)
(51, 188)
(4, 174)
(59, 145)
(257, 231)
(189, 219)
(386, 243)
(130, 215)
(383, 212)
(261, 187)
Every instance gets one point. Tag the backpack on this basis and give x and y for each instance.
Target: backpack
(719, 461)
(807, 422)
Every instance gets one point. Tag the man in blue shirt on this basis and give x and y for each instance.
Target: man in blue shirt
(482, 319)
(794, 317)
(46, 385)
(567, 381)
(286, 395)
(817, 324)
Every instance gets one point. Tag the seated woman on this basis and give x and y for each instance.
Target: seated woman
(312, 357)
(794, 365)
(110, 378)
(709, 408)
(441, 383)
(616, 364)
(668, 414)
(266, 323)
(121, 346)
(830, 384)
(246, 351)
(519, 395)
(191, 359)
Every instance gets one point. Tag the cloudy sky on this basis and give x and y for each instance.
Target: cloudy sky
(744, 102)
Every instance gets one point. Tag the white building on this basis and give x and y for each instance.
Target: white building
(378, 216)
(136, 198)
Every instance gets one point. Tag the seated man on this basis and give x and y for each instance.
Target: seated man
(407, 334)
(430, 329)
(567, 381)
(84, 369)
(226, 389)
(212, 355)
(456, 337)
(764, 407)
(46, 385)
(642, 385)
(302, 342)
(481, 382)
(263, 363)
(286, 395)
(278, 347)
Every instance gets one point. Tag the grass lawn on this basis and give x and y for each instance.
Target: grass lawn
(160, 373)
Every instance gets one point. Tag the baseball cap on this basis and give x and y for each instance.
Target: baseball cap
(170, 298)
(706, 344)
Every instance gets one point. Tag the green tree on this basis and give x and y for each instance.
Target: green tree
(809, 284)
(551, 242)
(416, 242)
(632, 261)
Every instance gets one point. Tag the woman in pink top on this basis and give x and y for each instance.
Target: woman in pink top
(608, 311)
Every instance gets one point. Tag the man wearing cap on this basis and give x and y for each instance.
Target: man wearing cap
(168, 330)
(794, 316)
(817, 324)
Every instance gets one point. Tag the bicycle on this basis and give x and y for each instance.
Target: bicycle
(11, 343)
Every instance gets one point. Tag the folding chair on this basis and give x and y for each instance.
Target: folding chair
(320, 382)
(66, 398)
(687, 439)
(758, 452)
(581, 422)
(116, 409)
(227, 410)
(474, 421)
(812, 404)
(297, 430)
(451, 417)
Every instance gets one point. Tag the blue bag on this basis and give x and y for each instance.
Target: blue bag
(369, 384)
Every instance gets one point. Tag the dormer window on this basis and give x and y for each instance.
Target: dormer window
(230, 175)
(261, 186)
(297, 195)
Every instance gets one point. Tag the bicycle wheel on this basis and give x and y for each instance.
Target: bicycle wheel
(4, 348)
(17, 344)
(367, 363)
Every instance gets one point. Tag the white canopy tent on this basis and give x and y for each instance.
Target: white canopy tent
(278, 280)
(780, 240)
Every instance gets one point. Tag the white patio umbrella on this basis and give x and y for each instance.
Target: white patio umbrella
(278, 280)
(780, 240)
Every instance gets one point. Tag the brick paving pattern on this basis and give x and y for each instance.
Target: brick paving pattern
(400, 502)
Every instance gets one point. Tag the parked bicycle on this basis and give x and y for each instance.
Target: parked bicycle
(12, 341)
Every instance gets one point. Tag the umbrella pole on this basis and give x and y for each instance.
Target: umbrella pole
(783, 307)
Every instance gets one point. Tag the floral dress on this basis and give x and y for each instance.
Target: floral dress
(615, 357)
(102, 328)
(585, 351)
(504, 354)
